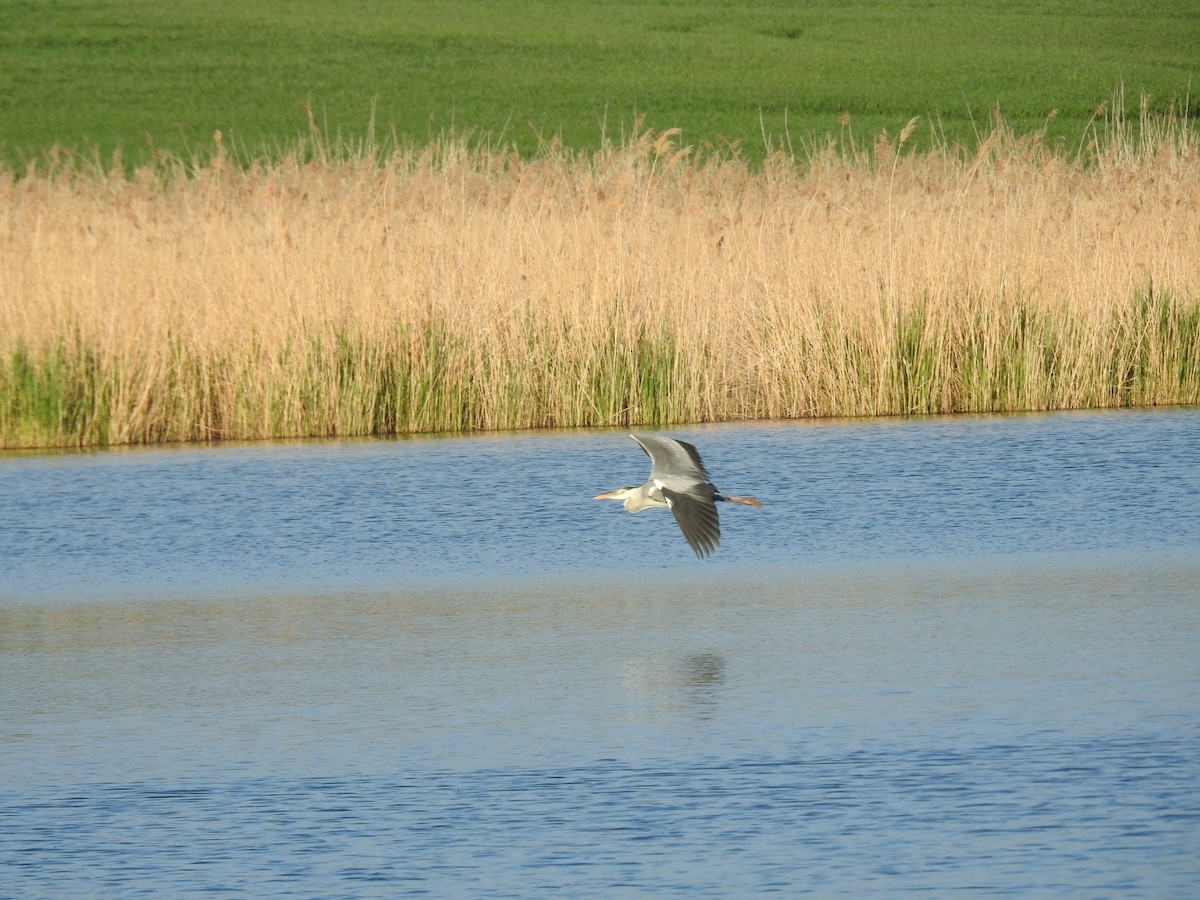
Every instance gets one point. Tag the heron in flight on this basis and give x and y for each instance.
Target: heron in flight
(679, 482)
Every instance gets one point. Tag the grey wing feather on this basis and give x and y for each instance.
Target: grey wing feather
(671, 458)
(697, 518)
(685, 485)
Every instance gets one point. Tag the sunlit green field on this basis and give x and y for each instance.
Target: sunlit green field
(138, 74)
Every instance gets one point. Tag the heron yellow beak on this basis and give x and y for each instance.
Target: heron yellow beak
(618, 494)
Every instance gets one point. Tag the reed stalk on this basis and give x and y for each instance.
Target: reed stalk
(376, 290)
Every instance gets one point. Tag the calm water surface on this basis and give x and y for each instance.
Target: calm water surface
(949, 655)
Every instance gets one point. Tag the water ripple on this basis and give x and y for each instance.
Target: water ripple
(1046, 816)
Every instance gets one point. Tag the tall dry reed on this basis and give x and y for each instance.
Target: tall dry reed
(339, 291)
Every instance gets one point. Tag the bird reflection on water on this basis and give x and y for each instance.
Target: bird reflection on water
(693, 684)
(703, 670)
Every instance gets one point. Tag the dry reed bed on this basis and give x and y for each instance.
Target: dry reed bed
(449, 287)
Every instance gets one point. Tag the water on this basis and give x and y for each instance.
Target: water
(949, 655)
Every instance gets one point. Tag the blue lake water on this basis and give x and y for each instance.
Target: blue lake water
(948, 655)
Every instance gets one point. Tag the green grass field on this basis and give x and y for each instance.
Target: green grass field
(142, 74)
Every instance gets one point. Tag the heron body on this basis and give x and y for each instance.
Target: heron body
(679, 482)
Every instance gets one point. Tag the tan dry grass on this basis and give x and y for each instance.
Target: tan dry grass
(452, 287)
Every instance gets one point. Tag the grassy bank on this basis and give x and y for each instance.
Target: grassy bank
(146, 76)
(354, 290)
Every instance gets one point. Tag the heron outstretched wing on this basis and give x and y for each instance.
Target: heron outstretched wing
(677, 471)
(671, 459)
(696, 514)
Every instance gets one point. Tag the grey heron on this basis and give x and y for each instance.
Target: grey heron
(679, 482)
